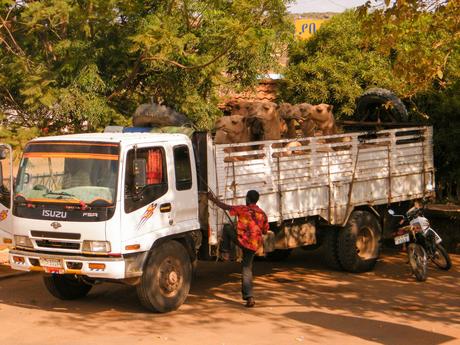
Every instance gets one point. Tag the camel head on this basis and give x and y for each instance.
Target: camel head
(323, 117)
(231, 129)
(264, 121)
(239, 107)
(288, 111)
(263, 110)
(320, 114)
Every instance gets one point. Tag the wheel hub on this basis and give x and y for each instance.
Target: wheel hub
(365, 243)
(172, 278)
(169, 276)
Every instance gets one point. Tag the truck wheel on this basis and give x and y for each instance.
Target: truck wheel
(380, 105)
(66, 286)
(278, 254)
(358, 242)
(165, 282)
(329, 248)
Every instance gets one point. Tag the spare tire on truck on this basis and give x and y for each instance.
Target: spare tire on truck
(156, 115)
(358, 243)
(380, 105)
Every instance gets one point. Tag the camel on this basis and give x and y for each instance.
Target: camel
(287, 113)
(320, 114)
(232, 129)
(240, 107)
(264, 120)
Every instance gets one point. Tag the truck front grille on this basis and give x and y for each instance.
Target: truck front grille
(51, 234)
(55, 244)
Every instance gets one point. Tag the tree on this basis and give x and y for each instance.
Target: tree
(411, 47)
(422, 41)
(419, 38)
(334, 67)
(70, 65)
(406, 47)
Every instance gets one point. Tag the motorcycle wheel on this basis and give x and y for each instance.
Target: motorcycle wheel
(441, 258)
(417, 261)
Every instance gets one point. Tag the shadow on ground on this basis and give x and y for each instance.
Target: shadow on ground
(300, 289)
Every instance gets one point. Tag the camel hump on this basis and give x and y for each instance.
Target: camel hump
(156, 115)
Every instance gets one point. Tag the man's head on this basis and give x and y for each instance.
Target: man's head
(252, 197)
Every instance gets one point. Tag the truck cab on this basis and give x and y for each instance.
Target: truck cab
(90, 207)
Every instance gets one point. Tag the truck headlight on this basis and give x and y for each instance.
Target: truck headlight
(23, 241)
(100, 247)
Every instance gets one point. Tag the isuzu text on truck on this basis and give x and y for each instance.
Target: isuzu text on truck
(133, 208)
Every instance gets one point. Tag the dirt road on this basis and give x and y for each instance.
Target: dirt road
(299, 301)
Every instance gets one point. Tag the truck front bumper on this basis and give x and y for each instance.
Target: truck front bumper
(94, 267)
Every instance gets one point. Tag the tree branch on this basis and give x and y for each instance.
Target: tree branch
(21, 52)
(177, 64)
(130, 78)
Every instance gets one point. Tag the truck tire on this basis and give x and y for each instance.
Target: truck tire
(66, 286)
(165, 282)
(371, 107)
(358, 243)
(329, 248)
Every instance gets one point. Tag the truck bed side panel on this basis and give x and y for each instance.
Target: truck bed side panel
(325, 176)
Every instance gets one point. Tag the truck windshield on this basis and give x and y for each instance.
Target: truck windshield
(68, 172)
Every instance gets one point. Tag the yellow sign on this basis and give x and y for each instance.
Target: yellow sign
(305, 28)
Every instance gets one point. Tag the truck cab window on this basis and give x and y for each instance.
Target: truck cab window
(156, 183)
(182, 168)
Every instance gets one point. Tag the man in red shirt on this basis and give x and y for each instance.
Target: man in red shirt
(252, 223)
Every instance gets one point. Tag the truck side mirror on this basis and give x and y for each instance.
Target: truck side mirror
(139, 171)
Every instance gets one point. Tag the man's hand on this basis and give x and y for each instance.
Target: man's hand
(219, 203)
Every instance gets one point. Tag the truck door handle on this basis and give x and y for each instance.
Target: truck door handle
(165, 207)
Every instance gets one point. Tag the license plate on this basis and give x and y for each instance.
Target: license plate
(52, 265)
(402, 239)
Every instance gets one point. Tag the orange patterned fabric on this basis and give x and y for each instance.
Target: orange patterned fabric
(252, 223)
(154, 167)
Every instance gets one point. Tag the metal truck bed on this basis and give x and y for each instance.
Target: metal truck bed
(326, 176)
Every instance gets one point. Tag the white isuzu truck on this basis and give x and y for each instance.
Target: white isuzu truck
(132, 207)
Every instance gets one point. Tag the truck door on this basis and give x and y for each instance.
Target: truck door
(185, 213)
(6, 200)
(147, 194)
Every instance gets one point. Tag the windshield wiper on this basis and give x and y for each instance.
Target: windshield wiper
(60, 194)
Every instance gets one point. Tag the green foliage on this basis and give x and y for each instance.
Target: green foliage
(80, 65)
(18, 138)
(404, 48)
(333, 67)
(417, 37)
(442, 104)
(411, 47)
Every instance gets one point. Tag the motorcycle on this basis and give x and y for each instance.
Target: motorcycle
(424, 242)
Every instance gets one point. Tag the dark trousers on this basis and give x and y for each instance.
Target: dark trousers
(229, 239)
